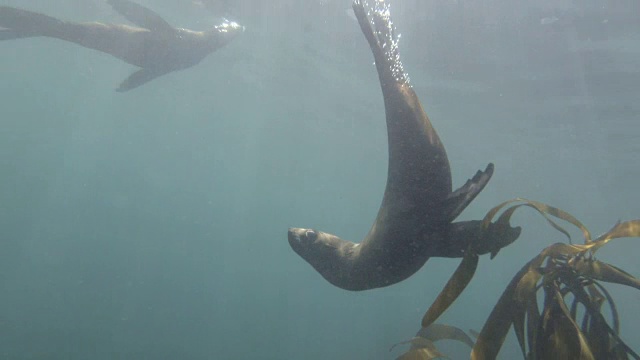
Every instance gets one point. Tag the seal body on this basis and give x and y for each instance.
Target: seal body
(414, 221)
(153, 45)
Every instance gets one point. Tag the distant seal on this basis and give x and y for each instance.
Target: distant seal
(155, 46)
(415, 219)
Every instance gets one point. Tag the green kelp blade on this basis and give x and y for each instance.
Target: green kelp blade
(495, 329)
(598, 337)
(594, 326)
(558, 250)
(612, 305)
(602, 271)
(563, 215)
(531, 273)
(454, 287)
(596, 296)
(559, 336)
(594, 312)
(437, 332)
(526, 287)
(619, 352)
(573, 311)
(492, 213)
(597, 332)
(422, 354)
(620, 230)
(421, 349)
(518, 328)
(525, 293)
(506, 217)
(416, 342)
(543, 209)
(533, 321)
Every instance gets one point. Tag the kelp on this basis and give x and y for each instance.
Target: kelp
(423, 347)
(565, 273)
(454, 287)
(569, 277)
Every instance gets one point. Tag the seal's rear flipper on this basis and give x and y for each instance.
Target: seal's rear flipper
(18, 23)
(377, 27)
(140, 15)
(458, 200)
(8, 34)
(138, 78)
(365, 25)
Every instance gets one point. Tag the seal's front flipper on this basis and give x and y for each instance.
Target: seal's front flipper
(141, 15)
(458, 200)
(138, 78)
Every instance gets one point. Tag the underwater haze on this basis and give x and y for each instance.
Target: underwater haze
(152, 224)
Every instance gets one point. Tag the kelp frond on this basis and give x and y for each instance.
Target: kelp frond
(423, 347)
(569, 277)
(560, 270)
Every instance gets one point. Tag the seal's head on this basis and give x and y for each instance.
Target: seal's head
(327, 253)
(311, 244)
(222, 34)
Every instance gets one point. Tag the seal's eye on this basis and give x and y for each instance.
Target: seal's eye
(311, 235)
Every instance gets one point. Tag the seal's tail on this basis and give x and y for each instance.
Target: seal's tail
(18, 23)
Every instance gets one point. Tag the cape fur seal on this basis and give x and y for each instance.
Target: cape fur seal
(414, 222)
(153, 45)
